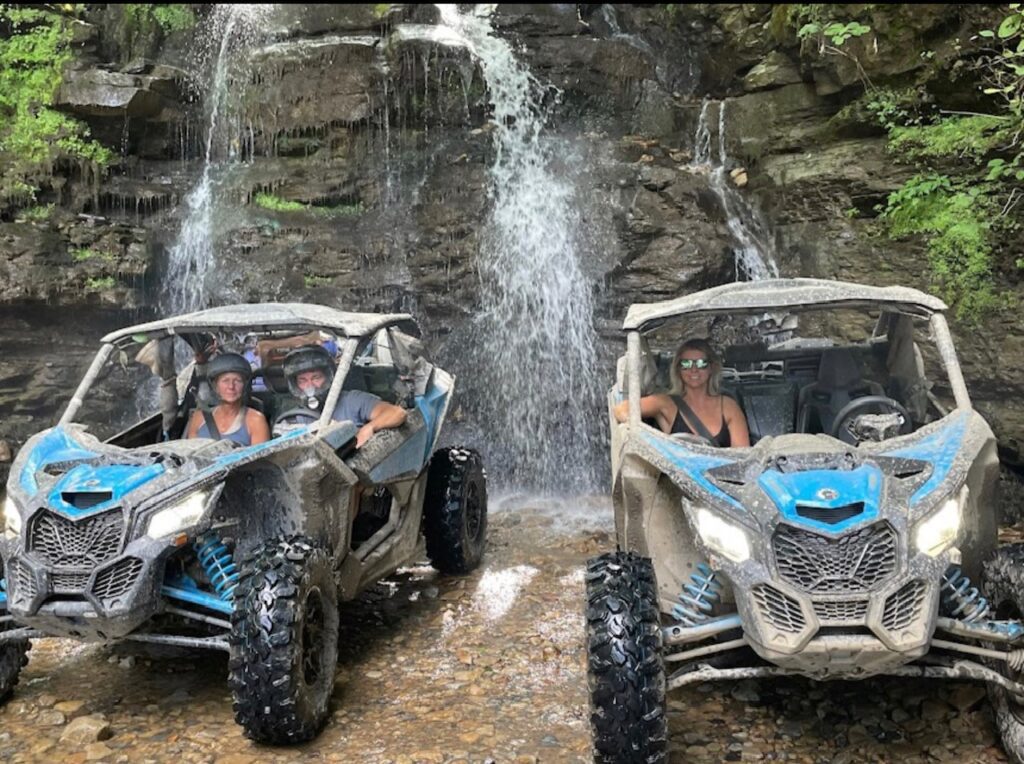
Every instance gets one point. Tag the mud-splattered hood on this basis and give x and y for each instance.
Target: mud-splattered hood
(71, 472)
(819, 482)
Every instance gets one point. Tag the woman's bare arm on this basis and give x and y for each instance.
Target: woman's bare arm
(651, 407)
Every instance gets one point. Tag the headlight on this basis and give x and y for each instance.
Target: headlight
(177, 517)
(12, 518)
(722, 536)
(938, 531)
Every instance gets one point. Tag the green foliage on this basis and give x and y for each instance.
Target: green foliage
(340, 210)
(36, 213)
(84, 254)
(34, 137)
(312, 280)
(955, 136)
(380, 10)
(836, 32)
(99, 283)
(958, 218)
(1003, 70)
(277, 204)
(141, 26)
(172, 17)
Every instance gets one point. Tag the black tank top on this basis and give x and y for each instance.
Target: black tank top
(722, 439)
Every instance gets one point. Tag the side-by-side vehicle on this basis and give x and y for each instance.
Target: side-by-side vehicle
(856, 536)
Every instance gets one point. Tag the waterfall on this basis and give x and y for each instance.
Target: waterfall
(754, 252)
(535, 382)
(192, 256)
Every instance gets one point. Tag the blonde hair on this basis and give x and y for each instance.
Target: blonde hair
(704, 347)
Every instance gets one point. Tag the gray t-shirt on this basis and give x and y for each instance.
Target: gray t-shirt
(355, 406)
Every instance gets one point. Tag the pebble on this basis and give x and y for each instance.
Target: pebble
(85, 730)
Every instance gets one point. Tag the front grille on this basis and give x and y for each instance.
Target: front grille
(854, 562)
(780, 610)
(116, 581)
(24, 582)
(904, 607)
(68, 583)
(832, 613)
(84, 544)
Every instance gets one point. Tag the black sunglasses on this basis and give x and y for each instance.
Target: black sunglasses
(689, 363)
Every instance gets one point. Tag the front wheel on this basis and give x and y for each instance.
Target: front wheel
(625, 670)
(1003, 582)
(284, 641)
(455, 510)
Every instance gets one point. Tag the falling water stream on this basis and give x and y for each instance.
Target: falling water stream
(192, 256)
(533, 355)
(754, 253)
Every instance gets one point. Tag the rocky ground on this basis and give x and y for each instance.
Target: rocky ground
(489, 668)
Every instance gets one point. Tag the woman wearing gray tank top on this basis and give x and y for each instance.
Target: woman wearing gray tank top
(229, 375)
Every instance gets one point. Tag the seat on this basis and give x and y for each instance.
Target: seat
(770, 406)
(839, 382)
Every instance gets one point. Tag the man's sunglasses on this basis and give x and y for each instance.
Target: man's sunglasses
(690, 363)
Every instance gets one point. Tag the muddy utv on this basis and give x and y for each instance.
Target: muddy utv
(136, 533)
(856, 536)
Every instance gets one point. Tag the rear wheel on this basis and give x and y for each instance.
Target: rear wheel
(284, 642)
(13, 654)
(455, 510)
(625, 670)
(1003, 583)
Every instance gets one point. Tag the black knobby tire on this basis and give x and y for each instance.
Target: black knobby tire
(13, 656)
(284, 641)
(625, 669)
(1003, 584)
(455, 510)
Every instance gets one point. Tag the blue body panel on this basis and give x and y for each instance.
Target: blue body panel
(55, 446)
(938, 449)
(694, 465)
(431, 405)
(841, 487)
(119, 479)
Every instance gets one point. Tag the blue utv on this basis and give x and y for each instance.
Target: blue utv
(136, 533)
(856, 536)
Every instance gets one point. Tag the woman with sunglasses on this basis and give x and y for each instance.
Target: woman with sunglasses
(695, 404)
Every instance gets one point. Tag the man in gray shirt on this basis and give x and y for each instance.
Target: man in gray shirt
(310, 371)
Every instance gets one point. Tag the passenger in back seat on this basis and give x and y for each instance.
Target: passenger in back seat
(695, 404)
(310, 371)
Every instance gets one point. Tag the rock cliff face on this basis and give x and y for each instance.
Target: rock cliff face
(379, 132)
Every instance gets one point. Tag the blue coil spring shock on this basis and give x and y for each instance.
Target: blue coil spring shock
(698, 598)
(963, 600)
(216, 561)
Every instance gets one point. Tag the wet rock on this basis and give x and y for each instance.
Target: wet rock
(51, 718)
(776, 70)
(85, 730)
(746, 692)
(69, 707)
(966, 697)
(97, 751)
(102, 93)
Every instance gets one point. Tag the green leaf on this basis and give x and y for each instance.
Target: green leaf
(1010, 26)
(987, 33)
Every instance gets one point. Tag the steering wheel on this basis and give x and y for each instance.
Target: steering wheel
(296, 417)
(842, 425)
